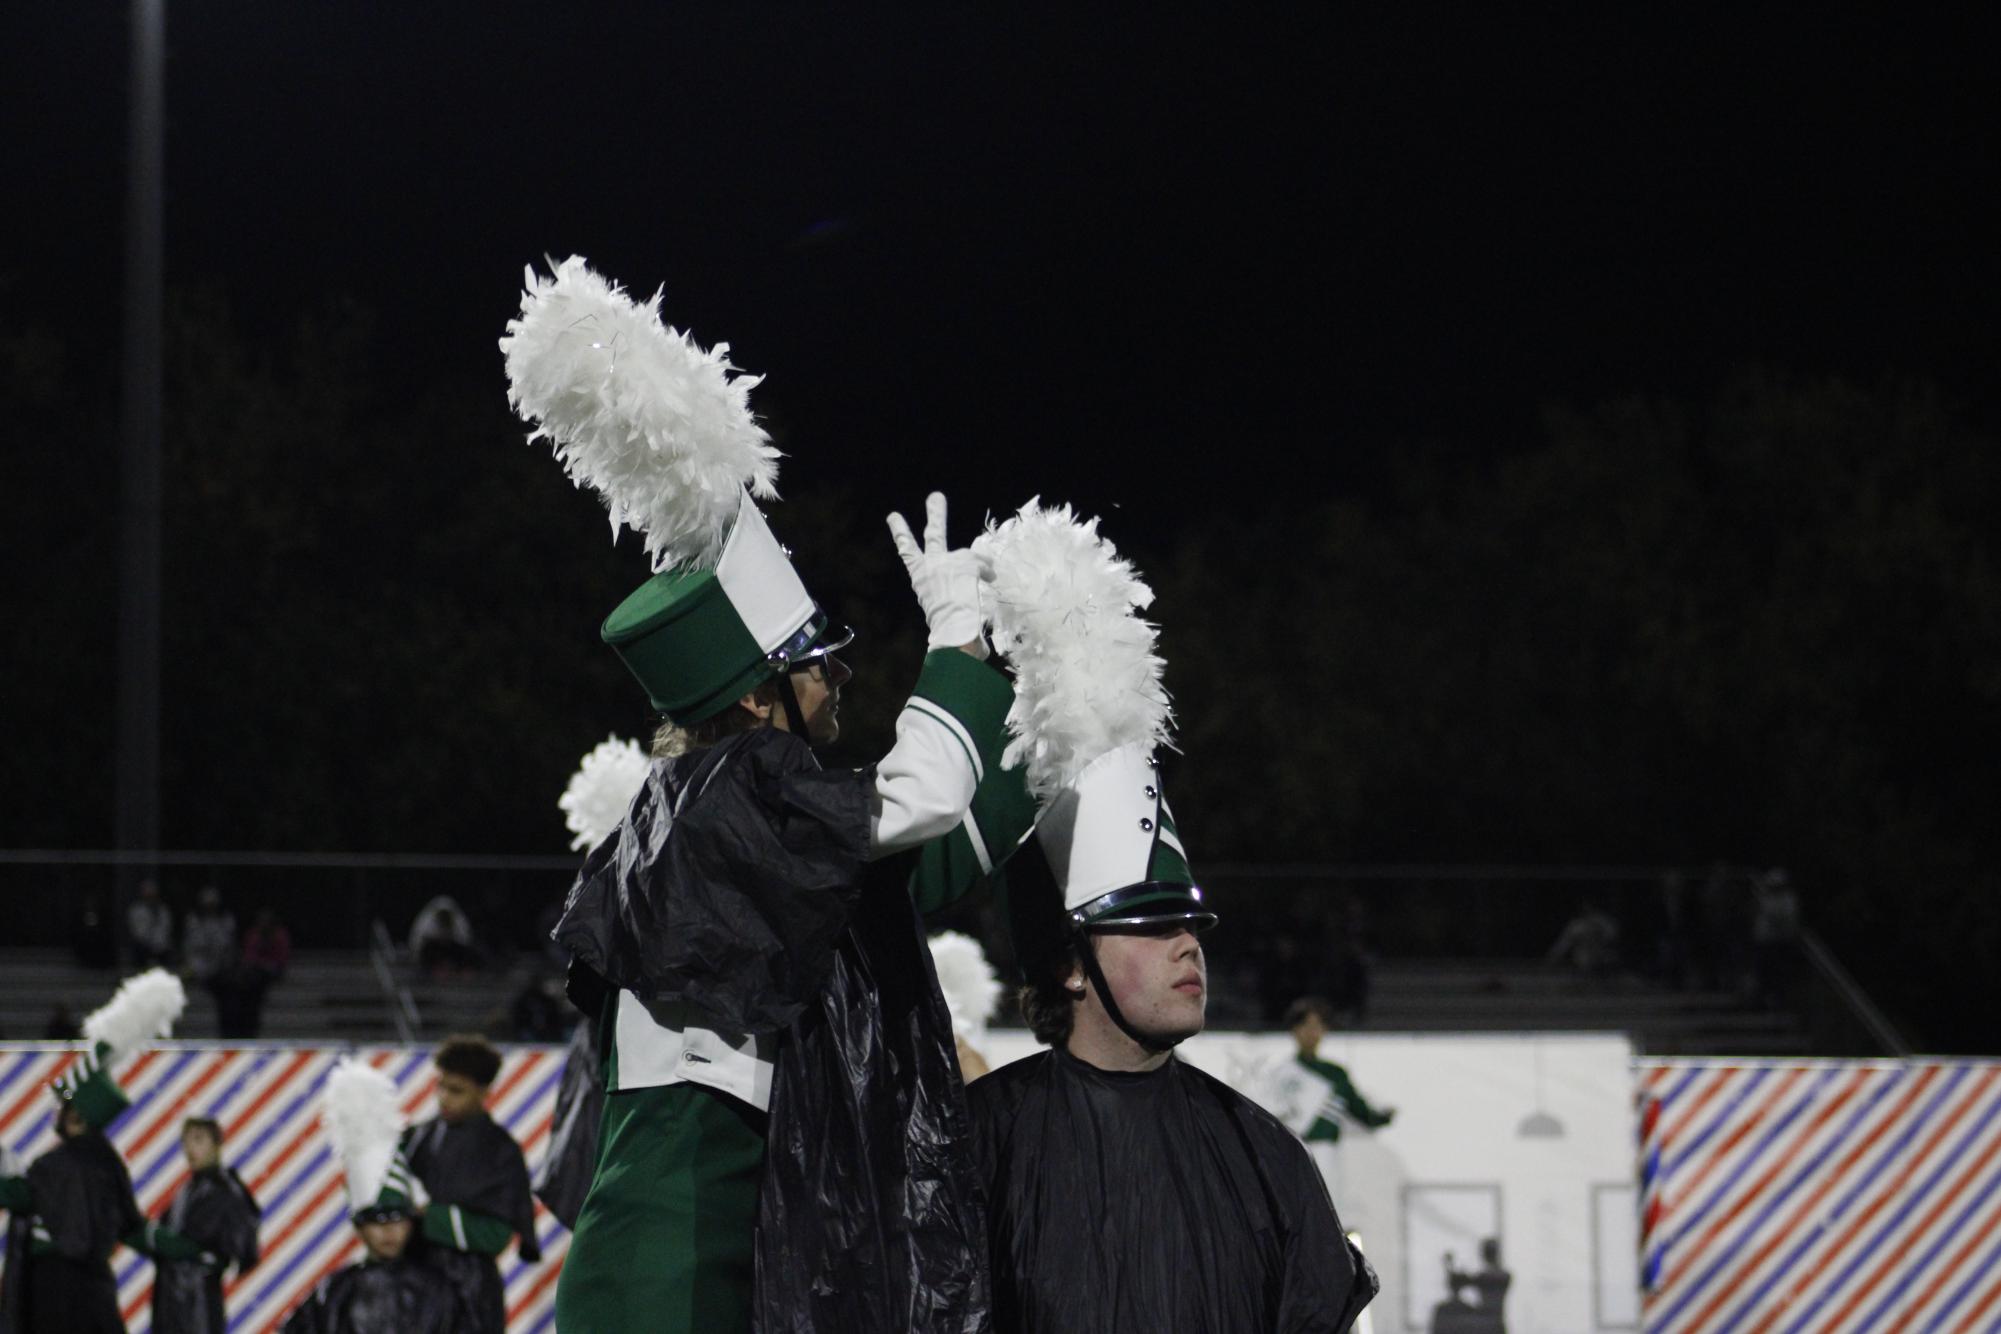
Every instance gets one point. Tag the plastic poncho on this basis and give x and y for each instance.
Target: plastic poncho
(1153, 1201)
(736, 886)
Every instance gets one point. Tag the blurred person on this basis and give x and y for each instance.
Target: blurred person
(1589, 943)
(149, 927)
(214, 1209)
(1126, 1189)
(61, 1025)
(265, 955)
(389, 1291)
(1489, 1285)
(1317, 1100)
(1775, 936)
(441, 939)
(540, 1012)
(92, 938)
(477, 1180)
(74, 1205)
(208, 939)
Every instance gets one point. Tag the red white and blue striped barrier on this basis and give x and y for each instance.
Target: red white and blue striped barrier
(266, 1098)
(1821, 1196)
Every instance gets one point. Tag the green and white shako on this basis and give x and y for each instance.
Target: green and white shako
(1111, 842)
(699, 639)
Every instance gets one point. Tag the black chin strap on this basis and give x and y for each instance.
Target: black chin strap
(794, 719)
(1097, 976)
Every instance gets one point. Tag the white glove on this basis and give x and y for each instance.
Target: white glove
(947, 582)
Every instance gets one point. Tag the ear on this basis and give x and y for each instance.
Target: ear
(760, 709)
(1074, 984)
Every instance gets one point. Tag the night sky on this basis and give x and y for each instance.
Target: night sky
(1157, 262)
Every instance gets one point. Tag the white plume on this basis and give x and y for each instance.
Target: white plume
(1066, 613)
(968, 981)
(637, 411)
(363, 1117)
(602, 789)
(139, 1013)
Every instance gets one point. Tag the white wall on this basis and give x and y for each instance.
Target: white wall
(1460, 1101)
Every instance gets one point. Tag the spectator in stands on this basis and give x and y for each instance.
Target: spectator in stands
(267, 952)
(149, 927)
(1726, 914)
(91, 936)
(1775, 935)
(62, 1025)
(208, 941)
(1588, 943)
(1348, 960)
(541, 1012)
(441, 938)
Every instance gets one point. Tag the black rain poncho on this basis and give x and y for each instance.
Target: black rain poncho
(83, 1199)
(217, 1211)
(476, 1165)
(735, 886)
(400, 1295)
(563, 1177)
(1156, 1201)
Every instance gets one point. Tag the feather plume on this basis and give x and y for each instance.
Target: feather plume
(1066, 613)
(363, 1117)
(602, 789)
(968, 981)
(637, 411)
(142, 1011)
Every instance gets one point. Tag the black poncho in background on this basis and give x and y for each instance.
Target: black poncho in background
(215, 1210)
(400, 1295)
(476, 1165)
(1149, 1202)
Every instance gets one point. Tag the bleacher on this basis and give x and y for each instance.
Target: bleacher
(1517, 996)
(337, 995)
(324, 995)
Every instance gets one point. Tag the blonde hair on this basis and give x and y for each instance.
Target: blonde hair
(671, 739)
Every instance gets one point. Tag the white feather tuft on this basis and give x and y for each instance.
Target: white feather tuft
(635, 410)
(363, 1117)
(1066, 613)
(602, 789)
(142, 1011)
(968, 981)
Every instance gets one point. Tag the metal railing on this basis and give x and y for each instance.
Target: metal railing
(402, 1005)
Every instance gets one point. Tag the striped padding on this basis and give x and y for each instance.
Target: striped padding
(267, 1099)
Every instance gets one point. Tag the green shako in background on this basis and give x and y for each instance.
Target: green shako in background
(143, 1010)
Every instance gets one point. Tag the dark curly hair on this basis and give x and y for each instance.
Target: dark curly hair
(1046, 1003)
(470, 1056)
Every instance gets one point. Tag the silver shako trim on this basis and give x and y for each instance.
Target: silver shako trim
(1105, 909)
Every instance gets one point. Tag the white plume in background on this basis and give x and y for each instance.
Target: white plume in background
(142, 1011)
(968, 981)
(635, 410)
(602, 789)
(1066, 613)
(363, 1116)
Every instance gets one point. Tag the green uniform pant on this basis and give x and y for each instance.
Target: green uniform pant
(663, 1241)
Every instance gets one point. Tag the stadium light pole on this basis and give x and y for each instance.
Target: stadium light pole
(137, 758)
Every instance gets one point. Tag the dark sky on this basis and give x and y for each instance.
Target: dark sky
(1121, 257)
